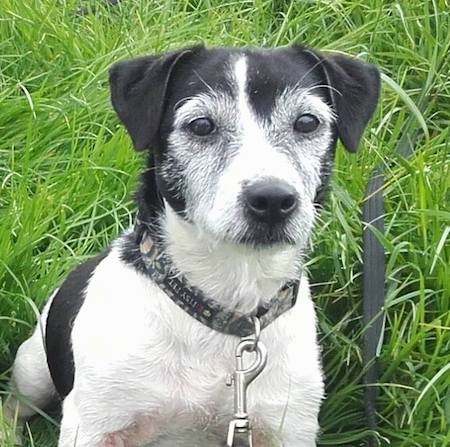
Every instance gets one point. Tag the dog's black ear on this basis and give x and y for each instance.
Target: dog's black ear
(357, 89)
(138, 91)
(354, 92)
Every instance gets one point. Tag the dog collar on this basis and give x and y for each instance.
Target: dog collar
(196, 304)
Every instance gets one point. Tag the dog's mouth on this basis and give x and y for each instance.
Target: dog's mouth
(263, 235)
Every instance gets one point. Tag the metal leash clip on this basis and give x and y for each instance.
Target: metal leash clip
(241, 379)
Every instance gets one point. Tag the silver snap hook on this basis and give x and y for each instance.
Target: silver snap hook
(241, 379)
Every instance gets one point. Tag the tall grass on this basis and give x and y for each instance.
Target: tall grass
(67, 173)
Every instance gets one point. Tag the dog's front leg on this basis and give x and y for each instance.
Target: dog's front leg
(296, 433)
(70, 434)
(98, 429)
(75, 433)
(297, 442)
(261, 439)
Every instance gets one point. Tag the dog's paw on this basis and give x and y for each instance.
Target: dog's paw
(113, 440)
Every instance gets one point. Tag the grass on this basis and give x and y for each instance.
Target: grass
(67, 173)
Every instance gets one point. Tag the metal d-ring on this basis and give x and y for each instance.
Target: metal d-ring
(255, 337)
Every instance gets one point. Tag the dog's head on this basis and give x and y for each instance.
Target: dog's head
(244, 139)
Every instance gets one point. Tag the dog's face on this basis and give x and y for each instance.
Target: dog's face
(244, 140)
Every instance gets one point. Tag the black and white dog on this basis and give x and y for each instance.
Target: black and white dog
(243, 142)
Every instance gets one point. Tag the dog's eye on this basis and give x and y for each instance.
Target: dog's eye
(306, 123)
(201, 126)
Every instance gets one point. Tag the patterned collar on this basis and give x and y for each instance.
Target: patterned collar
(196, 304)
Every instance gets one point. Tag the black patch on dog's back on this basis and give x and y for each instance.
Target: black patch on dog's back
(61, 316)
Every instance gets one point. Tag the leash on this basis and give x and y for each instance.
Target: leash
(374, 273)
(374, 268)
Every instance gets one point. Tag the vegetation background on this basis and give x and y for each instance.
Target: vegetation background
(67, 173)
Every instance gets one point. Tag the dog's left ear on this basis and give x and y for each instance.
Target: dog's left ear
(138, 91)
(354, 92)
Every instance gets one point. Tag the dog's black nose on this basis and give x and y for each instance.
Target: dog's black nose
(270, 200)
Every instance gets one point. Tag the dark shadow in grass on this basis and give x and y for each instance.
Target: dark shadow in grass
(92, 9)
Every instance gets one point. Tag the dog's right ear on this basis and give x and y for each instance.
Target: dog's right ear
(355, 93)
(354, 89)
(138, 91)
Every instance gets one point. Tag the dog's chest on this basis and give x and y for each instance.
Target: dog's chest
(183, 395)
(162, 372)
(189, 377)
(151, 356)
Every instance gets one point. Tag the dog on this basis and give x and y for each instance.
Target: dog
(240, 145)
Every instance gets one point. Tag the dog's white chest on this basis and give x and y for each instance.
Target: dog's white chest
(163, 372)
